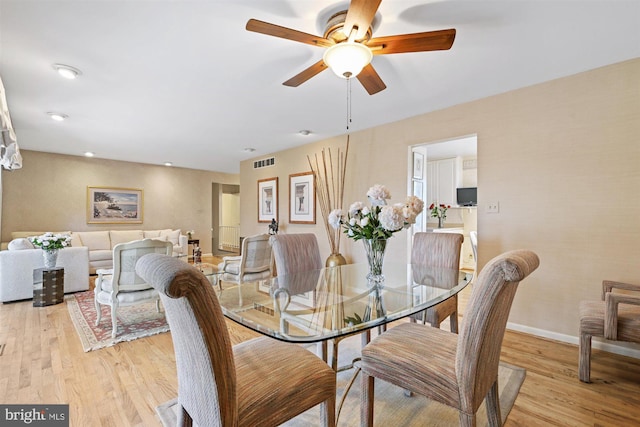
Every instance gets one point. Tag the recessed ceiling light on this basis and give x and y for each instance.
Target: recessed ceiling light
(58, 117)
(168, 164)
(67, 71)
(304, 132)
(89, 154)
(249, 150)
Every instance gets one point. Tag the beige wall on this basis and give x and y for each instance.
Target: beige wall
(561, 158)
(50, 193)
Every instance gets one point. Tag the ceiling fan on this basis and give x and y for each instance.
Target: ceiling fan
(350, 46)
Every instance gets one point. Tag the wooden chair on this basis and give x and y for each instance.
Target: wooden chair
(258, 382)
(458, 370)
(439, 250)
(616, 317)
(254, 264)
(121, 286)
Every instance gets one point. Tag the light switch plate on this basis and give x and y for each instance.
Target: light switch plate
(492, 207)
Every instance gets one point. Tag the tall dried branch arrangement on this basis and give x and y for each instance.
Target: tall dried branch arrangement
(329, 174)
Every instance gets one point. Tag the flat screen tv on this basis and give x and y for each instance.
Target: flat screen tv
(467, 196)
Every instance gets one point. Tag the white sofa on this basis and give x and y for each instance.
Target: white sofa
(101, 243)
(16, 271)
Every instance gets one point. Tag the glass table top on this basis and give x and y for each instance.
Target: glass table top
(337, 301)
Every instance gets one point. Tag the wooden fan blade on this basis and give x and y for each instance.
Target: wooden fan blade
(417, 42)
(286, 33)
(371, 80)
(360, 15)
(306, 74)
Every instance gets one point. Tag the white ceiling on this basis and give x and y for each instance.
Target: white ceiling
(183, 81)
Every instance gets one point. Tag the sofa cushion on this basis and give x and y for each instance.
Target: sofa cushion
(95, 240)
(101, 255)
(125, 236)
(150, 234)
(24, 234)
(173, 236)
(20, 244)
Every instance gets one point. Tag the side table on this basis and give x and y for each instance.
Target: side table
(48, 286)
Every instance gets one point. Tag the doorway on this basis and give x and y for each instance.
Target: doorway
(438, 170)
(225, 219)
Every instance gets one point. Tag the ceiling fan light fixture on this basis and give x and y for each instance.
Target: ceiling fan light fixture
(347, 59)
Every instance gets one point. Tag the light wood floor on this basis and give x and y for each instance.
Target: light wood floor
(42, 362)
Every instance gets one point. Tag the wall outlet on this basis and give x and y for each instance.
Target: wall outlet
(492, 207)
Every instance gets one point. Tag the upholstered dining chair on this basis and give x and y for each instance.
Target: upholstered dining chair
(254, 264)
(458, 370)
(616, 317)
(261, 382)
(439, 250)
(121, 286)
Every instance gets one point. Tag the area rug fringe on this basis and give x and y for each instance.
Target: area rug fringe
(96, 337)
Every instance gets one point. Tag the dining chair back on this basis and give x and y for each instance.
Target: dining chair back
(262, 381)
(439, 250)
(458, 370)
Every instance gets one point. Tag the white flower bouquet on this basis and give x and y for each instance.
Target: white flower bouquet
(50, 241)
(379, 221)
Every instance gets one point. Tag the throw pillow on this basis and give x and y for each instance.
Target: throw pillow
(20, 244)
(173, 236)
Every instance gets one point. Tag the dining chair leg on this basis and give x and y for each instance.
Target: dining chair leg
(328, 413)
(366, 400)
(322, 350)
(493, 406)
(334, 355)
(584, 362)
(453, 322)
(467, 420)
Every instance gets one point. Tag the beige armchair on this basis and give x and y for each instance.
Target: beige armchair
(254, 264)
(260, 382)
(439, 250)
(121, 286)
(616, 317)
(457, 370)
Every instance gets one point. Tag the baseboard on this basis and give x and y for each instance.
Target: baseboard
(570, 339)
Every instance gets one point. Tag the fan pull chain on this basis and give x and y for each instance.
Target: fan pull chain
(348, 102)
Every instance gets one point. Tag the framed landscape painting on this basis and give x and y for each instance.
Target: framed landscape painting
(109, 205)
(267, 199)
(302, 198)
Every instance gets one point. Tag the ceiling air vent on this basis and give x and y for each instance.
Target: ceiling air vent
(264, 163)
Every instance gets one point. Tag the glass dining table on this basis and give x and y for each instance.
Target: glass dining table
(334, 302)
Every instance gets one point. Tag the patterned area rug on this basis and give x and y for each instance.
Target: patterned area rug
(136, 321)
(392, 407)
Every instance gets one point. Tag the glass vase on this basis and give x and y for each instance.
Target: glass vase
(374, 249)
(440, 222)
(50, 258)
